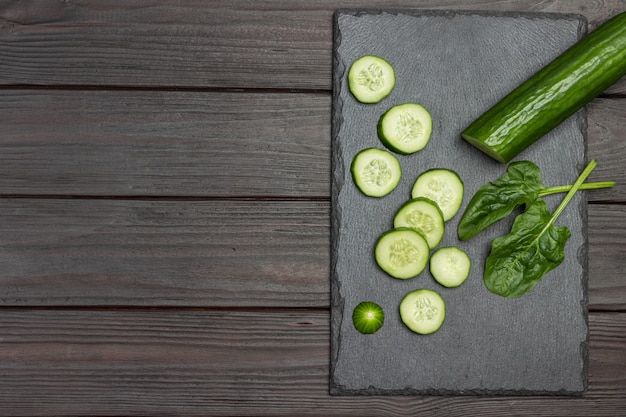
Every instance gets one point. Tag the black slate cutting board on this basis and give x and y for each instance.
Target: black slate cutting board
(457, 64)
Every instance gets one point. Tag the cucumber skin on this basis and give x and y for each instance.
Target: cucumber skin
(366, 326)
(553, 93)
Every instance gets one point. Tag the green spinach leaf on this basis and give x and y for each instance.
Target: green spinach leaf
(496, 200)
(519, 185)
(535, 246)
(519, 260)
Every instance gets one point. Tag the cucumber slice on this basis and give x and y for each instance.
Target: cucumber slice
(402, 253)
(376, 172)
(450, 266)
(423, 311)
(371, 79)
(405, 128)
(444, 187)
(368, 317)
(424, 216)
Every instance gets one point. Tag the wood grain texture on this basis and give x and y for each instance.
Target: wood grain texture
(146, 143)
(175, 253)
(150, 143)
(607, 257)
(225, 44)
(607, 145)
(255, 363)
(216, 253)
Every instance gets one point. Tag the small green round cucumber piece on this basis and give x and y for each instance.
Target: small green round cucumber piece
(423, 311)
(402, 253)
(444, 187)
(376, 172)
(405, 128)
(424, 216)
(450, 266)
(368, 317)
(371, 79)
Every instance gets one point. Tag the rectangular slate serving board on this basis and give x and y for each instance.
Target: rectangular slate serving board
(457, 64)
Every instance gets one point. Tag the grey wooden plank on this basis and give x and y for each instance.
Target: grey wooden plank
(607, 263)
(246, 253)
(167, 143)
(234, 44)
(606, 144)
(172, 253)
(130, 143)
(256, 363)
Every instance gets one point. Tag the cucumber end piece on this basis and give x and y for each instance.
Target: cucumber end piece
(482, 146)
(368, 317)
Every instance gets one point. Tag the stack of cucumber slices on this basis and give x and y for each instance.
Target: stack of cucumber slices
(419, 225)
(404, 251)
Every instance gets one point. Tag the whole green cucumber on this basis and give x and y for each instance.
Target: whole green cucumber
(553, 93)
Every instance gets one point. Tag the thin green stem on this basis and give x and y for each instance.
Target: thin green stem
(585, 186)
(575, 187)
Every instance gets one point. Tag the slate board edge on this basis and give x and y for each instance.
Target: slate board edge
(584, 252)
(337, 179)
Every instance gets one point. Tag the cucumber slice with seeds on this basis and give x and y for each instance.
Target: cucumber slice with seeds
(371, 79)
(424, 216)
(368, 317)
(444, 187)
(405, 128)
(423, 311)
(376, 172)
(450, 266)
(402, 253)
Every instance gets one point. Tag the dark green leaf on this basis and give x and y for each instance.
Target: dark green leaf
(519, 260)
(519, 185)
(495, 200)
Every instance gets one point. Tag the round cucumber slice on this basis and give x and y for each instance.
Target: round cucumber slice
(424, 216)
(444, 187)
(450, 266)
(405, 128)
(376, 172)
(402, 253)
(423, 311)
(368, 317)
(371, 79)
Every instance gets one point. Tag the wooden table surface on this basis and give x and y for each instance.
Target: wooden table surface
(165, 213)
